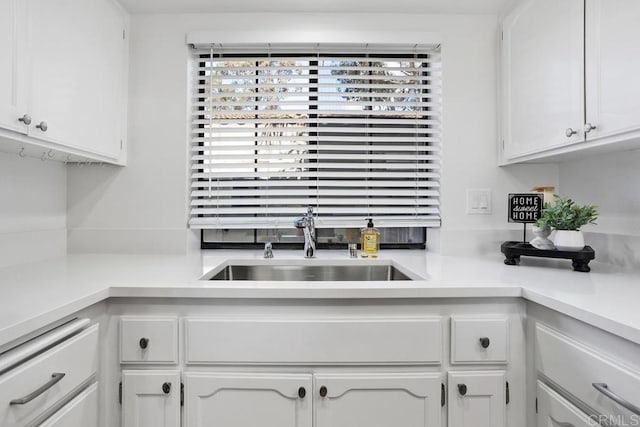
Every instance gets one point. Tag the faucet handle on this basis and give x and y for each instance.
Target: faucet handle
(310, 210)
(268, 250)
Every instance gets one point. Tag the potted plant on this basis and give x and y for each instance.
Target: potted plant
(566, 217)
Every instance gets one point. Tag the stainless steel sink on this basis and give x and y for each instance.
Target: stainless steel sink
(303, 273)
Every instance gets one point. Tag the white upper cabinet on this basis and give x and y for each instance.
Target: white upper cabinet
(569, 77)
(13, 66)
(67, 72)
(57, 70)
(613, 67)
(543, 75)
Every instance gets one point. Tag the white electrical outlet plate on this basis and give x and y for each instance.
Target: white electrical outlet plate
(478, 201)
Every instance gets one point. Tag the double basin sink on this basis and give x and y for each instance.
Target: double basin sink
(309, 270)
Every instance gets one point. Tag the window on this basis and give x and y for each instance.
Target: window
(352, 131)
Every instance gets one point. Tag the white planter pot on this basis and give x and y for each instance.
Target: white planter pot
(569, 240)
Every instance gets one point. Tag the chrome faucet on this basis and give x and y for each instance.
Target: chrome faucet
(308, 224)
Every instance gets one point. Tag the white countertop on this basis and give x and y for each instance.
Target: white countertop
(34, 295)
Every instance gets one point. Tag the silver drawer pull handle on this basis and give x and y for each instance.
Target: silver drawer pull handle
(55, 378)
(604, 389)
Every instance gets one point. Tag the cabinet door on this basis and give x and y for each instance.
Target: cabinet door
(56, 60)
(477, 399)
(13, 65)
(77, 52)
(247, 400)
(378, 400)
(555, 411)
(543, 76)
(150, 399)
(82, 411)
(103, 72)
(612, 66)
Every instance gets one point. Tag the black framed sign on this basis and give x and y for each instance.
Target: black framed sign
(525, 208)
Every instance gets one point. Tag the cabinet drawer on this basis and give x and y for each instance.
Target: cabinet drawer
(76, 358)
(149, 340)
(82, 411)
(479, 340)
(314, 341)
(575, 367)
(554, 410)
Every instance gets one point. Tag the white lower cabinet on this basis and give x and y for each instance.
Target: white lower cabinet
(150, 398)
(583, 369)
(378, 400)
(477, 399)
(82, 411)
(290, 400)
(247, 400)
(39, 384)
(555, 411)
(321, 366)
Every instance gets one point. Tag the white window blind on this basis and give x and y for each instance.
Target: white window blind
(354, 133)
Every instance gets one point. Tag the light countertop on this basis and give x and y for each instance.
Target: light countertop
(34, 295)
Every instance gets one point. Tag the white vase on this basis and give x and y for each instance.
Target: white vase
(569, 240)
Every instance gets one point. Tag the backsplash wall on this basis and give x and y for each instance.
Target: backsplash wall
(612, 182)
(144, 207)
(33, 205)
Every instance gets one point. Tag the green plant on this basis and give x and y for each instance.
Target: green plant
(564, 214)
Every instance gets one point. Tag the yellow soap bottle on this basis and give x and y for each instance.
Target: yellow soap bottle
(370, 240)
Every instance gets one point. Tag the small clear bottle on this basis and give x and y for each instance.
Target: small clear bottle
(370, 240)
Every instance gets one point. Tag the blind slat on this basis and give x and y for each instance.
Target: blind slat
(307, 174)
(301, 183)
(212, 158)
(265, 191)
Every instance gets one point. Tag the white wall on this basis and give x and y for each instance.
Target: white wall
(143, 207)
(32, 209)
(612, 182)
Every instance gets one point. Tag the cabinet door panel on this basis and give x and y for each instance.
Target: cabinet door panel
(77, 56)
(612, 66)
(56, 59)
(378, 400)
(13, 65)
(145, 403)
(554, 411)
(543, 74)
(482, 401)
(102, 84)
(247, 400)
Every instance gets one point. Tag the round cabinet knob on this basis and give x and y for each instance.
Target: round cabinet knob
(43, 126)
(144, 343)
(570, 132)
(166, 388)
(484, 342)
(26, 119)
(588, 127)
(323, 391)
(462, 389)
(302, 392)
